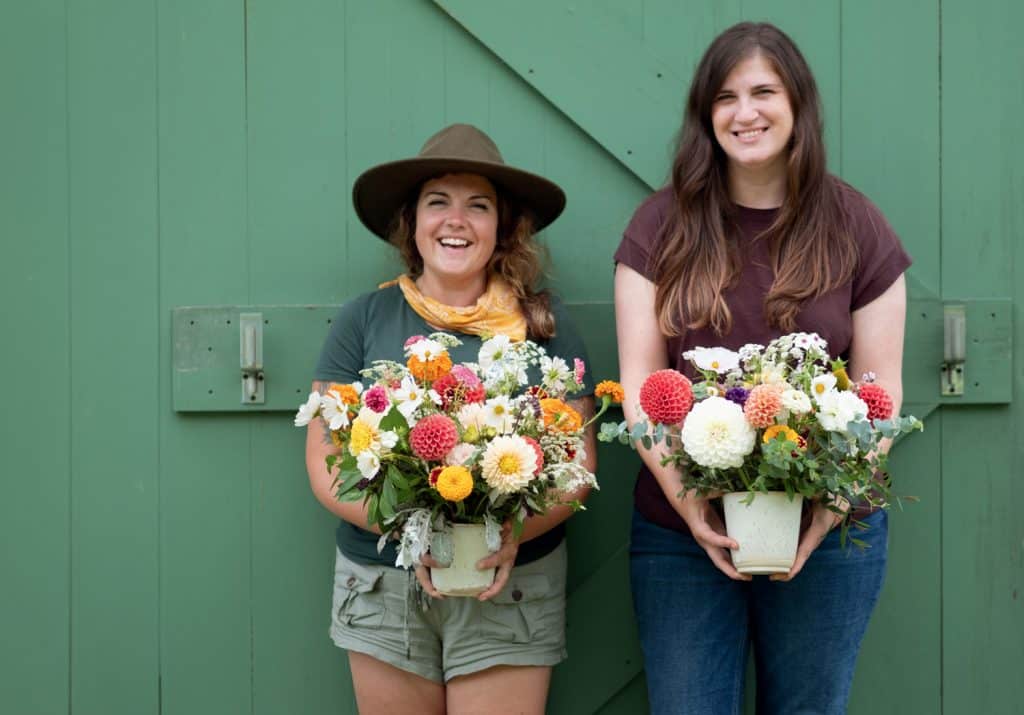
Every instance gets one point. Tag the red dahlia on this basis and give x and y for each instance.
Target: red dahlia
(877, 399)
(666, 396)
(433, 437)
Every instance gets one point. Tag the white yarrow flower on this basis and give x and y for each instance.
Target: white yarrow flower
(309, 410)
(718, 359)
(717, 435)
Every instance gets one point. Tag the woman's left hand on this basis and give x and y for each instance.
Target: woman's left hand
(503, 559)
(823, 520)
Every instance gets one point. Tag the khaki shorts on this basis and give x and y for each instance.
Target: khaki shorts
(377, 611)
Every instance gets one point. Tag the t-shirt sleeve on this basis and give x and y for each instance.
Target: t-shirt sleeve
(341, 357)
(637, 240)
(568, 344)
(882, 257)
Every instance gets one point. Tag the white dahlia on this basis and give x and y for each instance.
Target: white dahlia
(508, 464)
(717, 435)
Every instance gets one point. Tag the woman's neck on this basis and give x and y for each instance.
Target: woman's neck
(758, 188)
(457, 294)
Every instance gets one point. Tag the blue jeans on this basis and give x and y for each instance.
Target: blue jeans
(696, 624)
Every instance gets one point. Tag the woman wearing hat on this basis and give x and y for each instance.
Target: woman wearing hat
(463, 222)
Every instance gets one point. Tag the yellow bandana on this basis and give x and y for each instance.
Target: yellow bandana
(496, 312)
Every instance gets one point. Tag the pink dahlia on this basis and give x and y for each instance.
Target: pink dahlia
(877, 399)
(666, 396)
(433, 437)
(763, 404)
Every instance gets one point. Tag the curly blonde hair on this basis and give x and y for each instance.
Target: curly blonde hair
(517, 257)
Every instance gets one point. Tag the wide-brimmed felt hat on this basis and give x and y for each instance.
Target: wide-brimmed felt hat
(460, 148)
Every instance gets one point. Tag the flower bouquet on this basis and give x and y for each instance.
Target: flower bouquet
(770, 424)
(430, 446)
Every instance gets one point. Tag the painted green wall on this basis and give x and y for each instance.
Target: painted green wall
(161, 153)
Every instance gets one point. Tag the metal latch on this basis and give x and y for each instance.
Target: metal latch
(954, 348)
(250, 348)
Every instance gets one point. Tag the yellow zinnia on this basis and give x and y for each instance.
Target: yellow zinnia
(789, 434)
(361, 437)
(454, 483)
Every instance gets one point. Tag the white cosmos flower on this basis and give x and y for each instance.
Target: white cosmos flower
(409, 396)
(796, 401)
(472, 415)
(498, 414)
(837, 408)
(368, 464)
(508, 464)
(718, 359)
(309, 410)
(822, 385)
(717, 435)
(334, 411)
(426, 349)
(493, 350)
(554, 374)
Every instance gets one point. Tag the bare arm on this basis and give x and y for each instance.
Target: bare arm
(318, 447)
(641, 352)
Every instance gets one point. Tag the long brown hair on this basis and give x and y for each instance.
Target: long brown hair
(811, 250)
(517, 257)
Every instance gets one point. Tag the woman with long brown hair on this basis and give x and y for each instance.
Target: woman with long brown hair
(463, 222)
(752, 239)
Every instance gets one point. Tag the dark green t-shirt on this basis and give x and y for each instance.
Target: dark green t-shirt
(375, 326)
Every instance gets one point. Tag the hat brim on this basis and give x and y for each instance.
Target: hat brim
(380, 191)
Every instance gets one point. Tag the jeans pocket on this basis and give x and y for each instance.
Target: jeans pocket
(516, 615)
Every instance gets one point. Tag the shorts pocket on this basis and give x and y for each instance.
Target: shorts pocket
(357, 598)
(516, 614)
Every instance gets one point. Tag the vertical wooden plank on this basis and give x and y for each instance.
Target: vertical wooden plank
(35, 511)
(982, 222)
(394, 101)
(897, 165)
(205, 463)
(297, 203)
(114, 335)
(680, 31)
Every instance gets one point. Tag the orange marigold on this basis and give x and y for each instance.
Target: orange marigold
(788, 433)
(559, 415)
(430, 370)
(346, 393)
(610, 388)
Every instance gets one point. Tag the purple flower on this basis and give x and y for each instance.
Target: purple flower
(376, 398)
(737, 395)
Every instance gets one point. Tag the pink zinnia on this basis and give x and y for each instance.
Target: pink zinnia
(376, 398)
(580, 370)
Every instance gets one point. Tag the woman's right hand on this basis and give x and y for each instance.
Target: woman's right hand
(708, 530)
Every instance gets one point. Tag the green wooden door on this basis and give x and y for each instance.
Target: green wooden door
(169, 153)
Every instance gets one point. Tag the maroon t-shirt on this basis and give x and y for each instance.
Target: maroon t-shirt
(881, 261)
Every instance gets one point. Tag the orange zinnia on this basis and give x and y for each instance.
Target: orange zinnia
(346, 393)
(559, 415)
(432, 369)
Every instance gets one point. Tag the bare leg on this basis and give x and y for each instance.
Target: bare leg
(501, 690)
(383, 688)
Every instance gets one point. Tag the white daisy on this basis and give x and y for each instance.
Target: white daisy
(554, 374)
(408, 397)
(498, 414)
(309, 410)
(334, 411)
(822, 385)
(493, 350)
(472, 415)
(426, 349)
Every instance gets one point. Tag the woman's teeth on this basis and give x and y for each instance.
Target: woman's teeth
(454, 242)
(750, 133)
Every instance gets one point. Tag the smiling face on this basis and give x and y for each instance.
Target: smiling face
(752, 117)
(456, 230)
